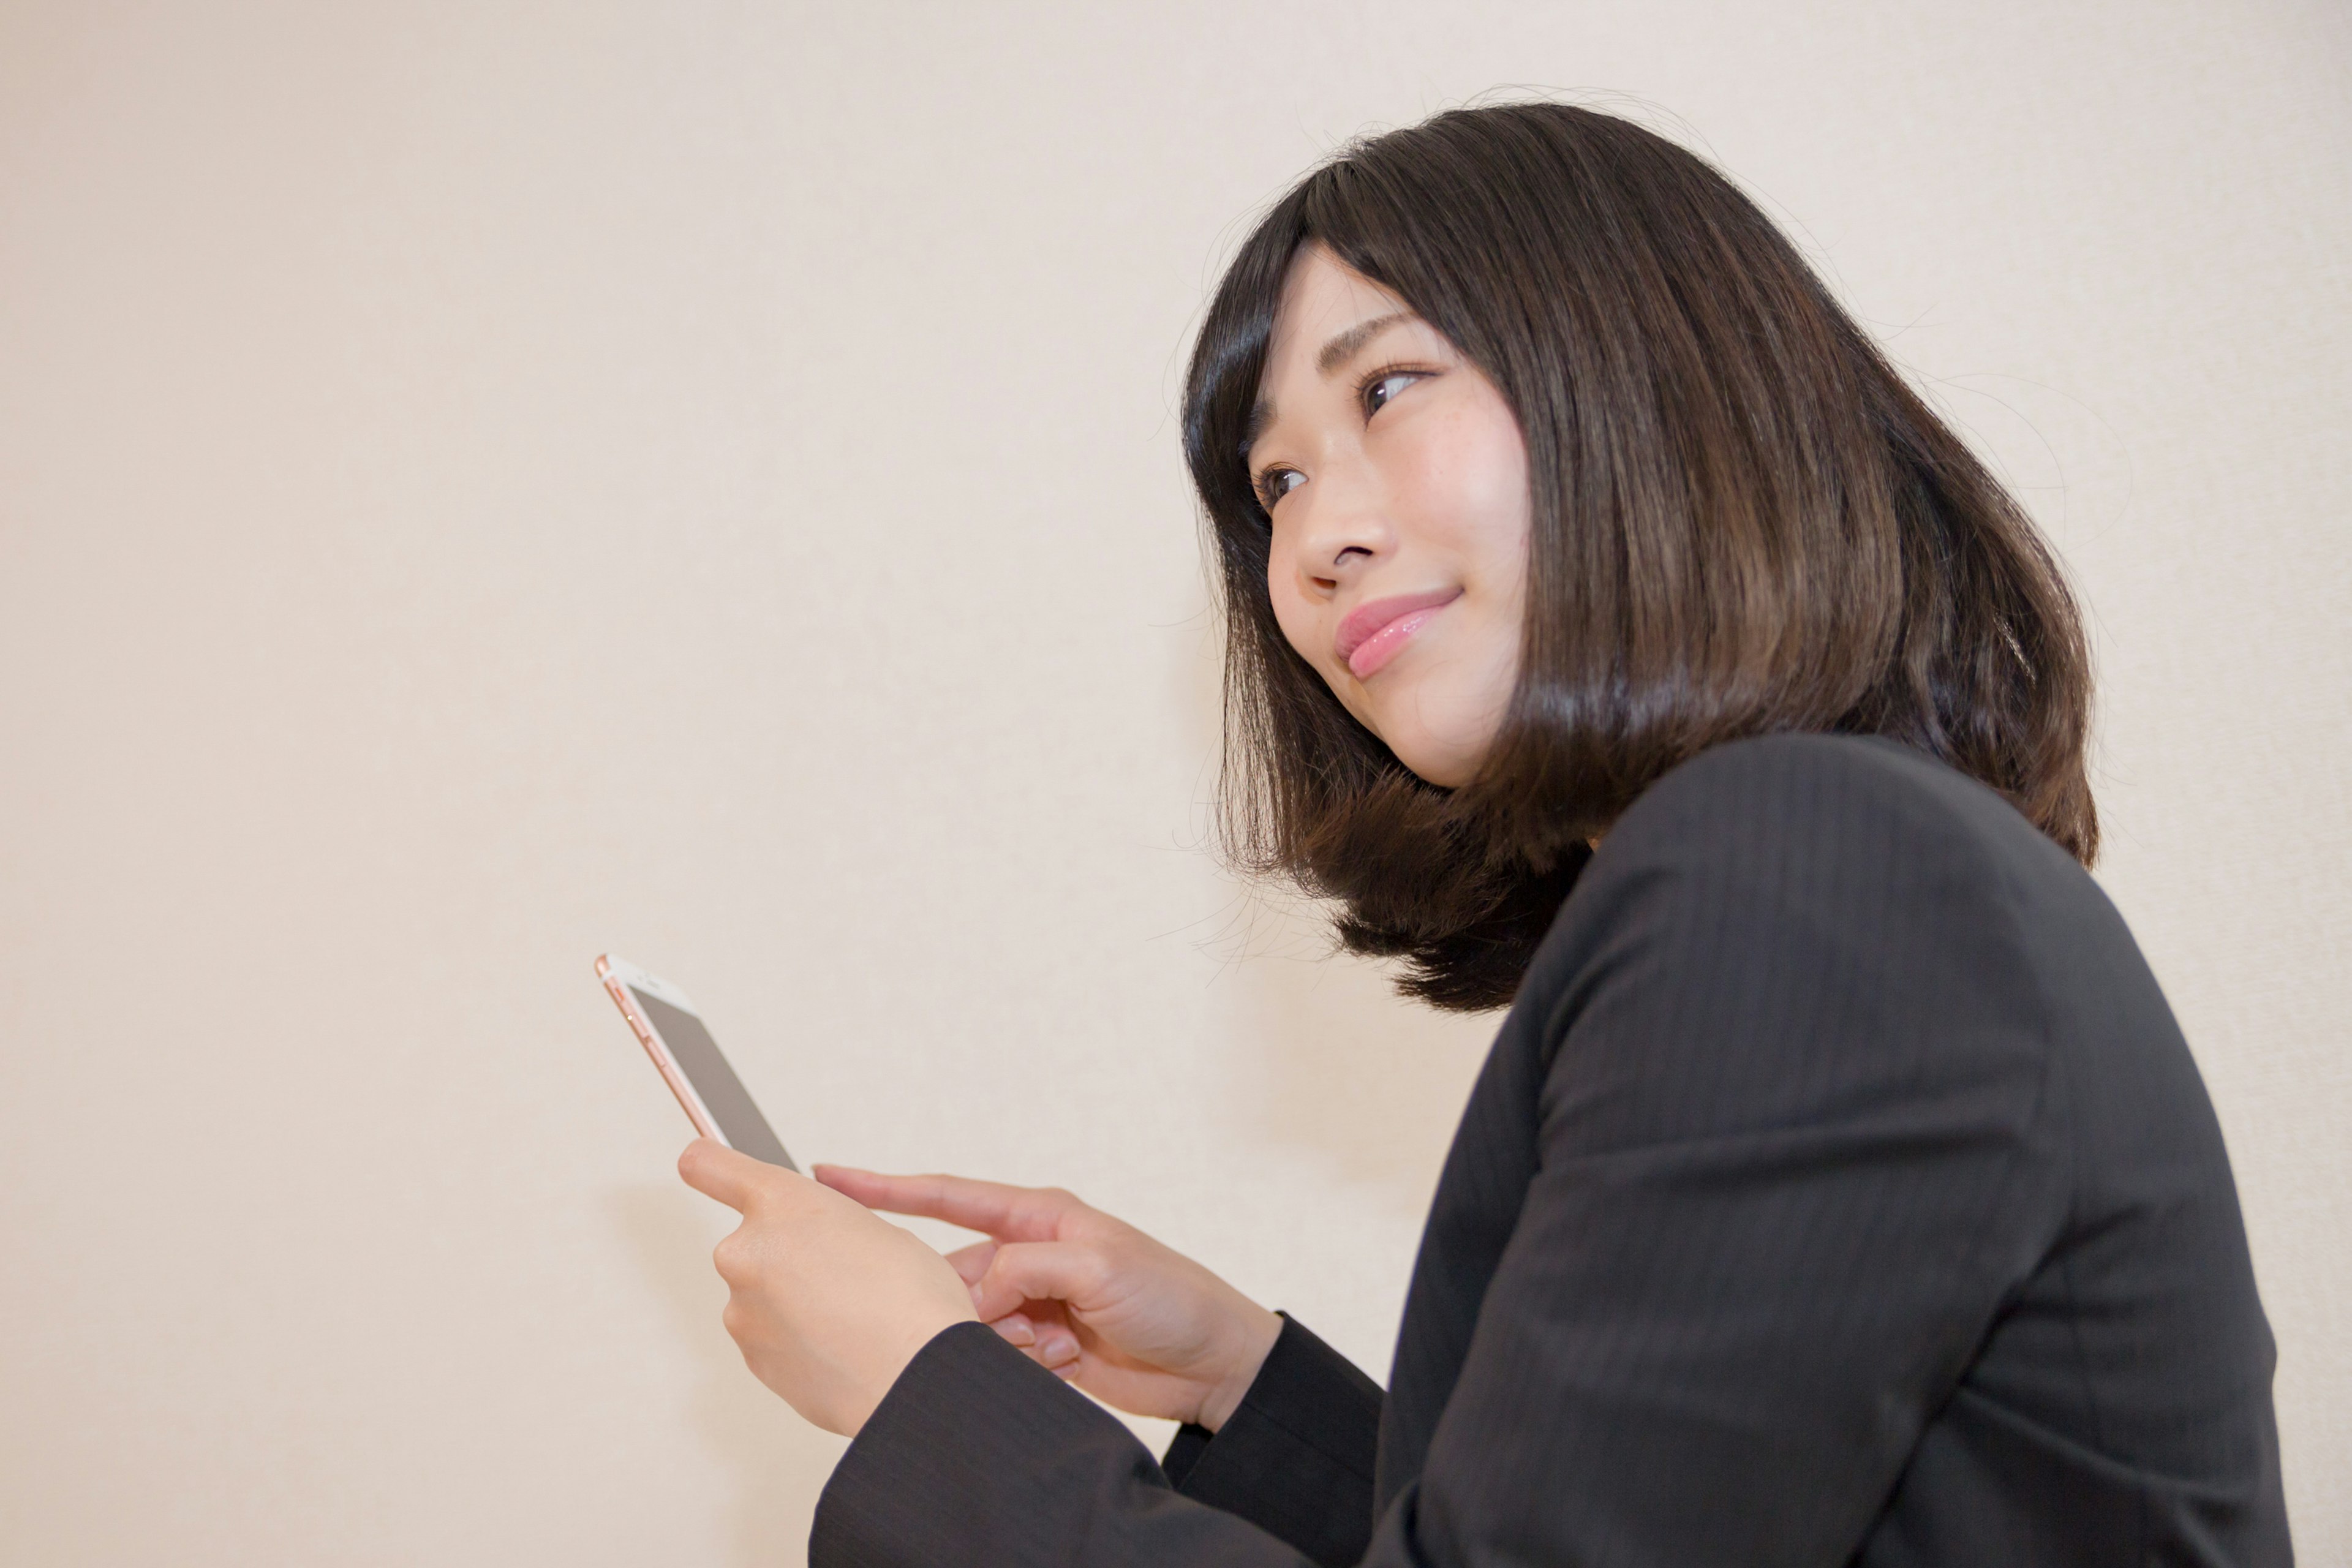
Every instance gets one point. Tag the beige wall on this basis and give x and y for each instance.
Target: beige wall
(481, 484)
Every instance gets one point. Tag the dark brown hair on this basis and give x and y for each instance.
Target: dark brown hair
(1744, 522)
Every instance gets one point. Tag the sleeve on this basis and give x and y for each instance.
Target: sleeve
(1791, 1143)
(1296, 1458)
(980, 1455)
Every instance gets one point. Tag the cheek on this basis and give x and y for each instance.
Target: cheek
(1297, 618)
(1468, 481)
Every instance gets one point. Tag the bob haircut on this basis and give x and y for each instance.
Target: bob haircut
(1744, 522)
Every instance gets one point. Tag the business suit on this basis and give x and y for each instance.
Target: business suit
(1839, 1189)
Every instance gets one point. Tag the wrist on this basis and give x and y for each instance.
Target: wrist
(1259, 1329)
(885, 1373)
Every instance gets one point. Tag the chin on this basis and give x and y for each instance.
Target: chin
(1446, 755)
(1453, 776)
(1446, 760)
(1433, 763)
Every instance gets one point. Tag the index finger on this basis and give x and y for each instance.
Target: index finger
(1010, 1214)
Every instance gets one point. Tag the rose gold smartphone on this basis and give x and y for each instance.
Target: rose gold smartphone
(672, 1032)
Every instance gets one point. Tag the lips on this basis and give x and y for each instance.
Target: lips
(1373, 633)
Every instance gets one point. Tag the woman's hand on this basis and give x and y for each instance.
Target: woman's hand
(827, 1302)
(1093, 1300)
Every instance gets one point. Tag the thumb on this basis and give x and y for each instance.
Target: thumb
(1038, 1271)
(716, 1171)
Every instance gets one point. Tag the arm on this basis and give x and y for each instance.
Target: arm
(1296, 1458)
(978, 1455)
(1791, 1148)
(1279, 1428)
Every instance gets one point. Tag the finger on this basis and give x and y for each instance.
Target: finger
(1016, 1329)
(971, 1262)
(1015, 1214)
(718, 1172)
(1037, 1270)
(1056, 1350)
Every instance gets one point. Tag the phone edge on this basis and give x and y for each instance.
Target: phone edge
(612, 971)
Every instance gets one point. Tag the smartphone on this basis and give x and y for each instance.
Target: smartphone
(673, 1034)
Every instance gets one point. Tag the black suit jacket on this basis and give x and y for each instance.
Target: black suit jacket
(1839, 1189)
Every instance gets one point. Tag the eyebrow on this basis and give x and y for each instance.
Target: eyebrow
(1346, 345)
(1342, 347)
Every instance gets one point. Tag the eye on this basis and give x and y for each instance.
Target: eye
(1276, 483)
(1383, 385)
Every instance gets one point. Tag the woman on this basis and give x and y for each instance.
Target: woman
(1613, 636)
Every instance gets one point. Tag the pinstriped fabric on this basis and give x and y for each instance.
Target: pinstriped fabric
(1839, 1189)
(1753, 1259)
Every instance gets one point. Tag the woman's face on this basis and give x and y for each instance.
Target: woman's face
(1397, 480)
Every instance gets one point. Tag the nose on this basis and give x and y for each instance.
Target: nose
(1345, 531)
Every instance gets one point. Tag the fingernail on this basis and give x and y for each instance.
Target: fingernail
(1057, 1350)
(1017, 1333)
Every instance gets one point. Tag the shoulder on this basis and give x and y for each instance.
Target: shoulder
(1846, 793)
(1791, 870)
(1793, 924)
(1851, 826)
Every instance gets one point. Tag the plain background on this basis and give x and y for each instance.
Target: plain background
(481, 485)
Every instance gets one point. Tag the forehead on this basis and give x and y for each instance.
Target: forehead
(1321, 296)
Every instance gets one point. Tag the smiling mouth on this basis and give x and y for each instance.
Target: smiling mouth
(1372, 635)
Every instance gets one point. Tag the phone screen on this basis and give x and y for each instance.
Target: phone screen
(723, 1094)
